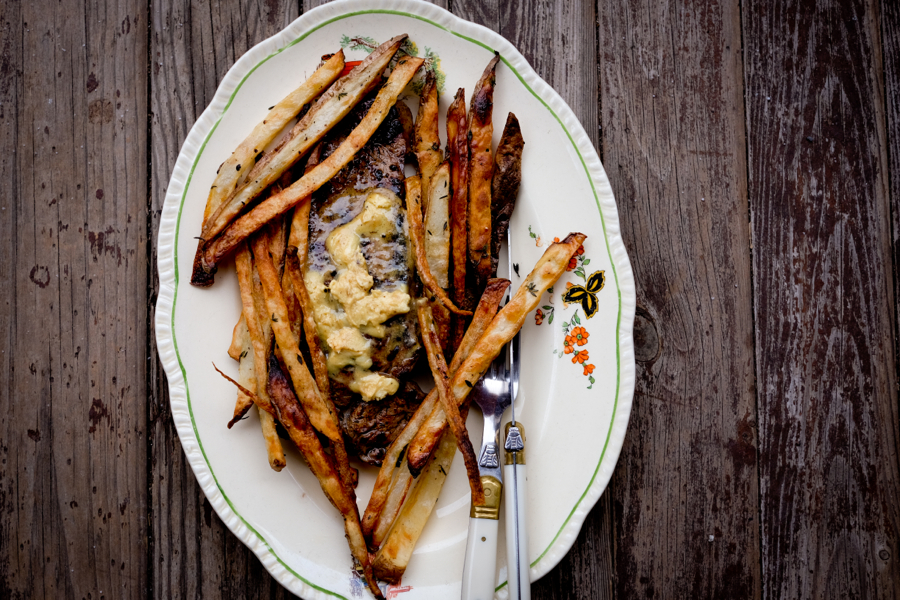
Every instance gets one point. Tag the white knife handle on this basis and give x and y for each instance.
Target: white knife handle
(480, 569)
(518, 569)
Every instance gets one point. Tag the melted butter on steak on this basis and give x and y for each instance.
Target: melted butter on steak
(349, 309)
(369, 360)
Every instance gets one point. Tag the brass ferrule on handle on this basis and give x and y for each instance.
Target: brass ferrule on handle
(493, 492)
(515, 444)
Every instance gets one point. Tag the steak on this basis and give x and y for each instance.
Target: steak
(392, 346)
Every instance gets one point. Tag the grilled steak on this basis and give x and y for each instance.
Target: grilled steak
(359, 270)
(372, 426)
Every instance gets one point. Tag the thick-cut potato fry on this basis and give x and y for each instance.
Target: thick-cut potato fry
(458, 155)
(276, 119)
(327, 112)
(246, 373)
(323, 419)
(385, 491)
(437, 225)
(403, 481)
(437, 243)
(442, 384)
(302, 433)
(505, 184)
(481, 168)
(237, 339)
(502, 329)
(393, 556)
(427, 142)
(260, 342)
(417, 239)
(205, 265)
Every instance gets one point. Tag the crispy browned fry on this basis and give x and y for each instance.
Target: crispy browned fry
(259, 340)
(393, 556)
(505, 184)
(216, 249)
(417, 239)
(502, 329)
(327, 112)
(437, 225)
(385, 492)
(320, 364)
(402, 482)
(458, 155)
(442, 384)
(323, 419)
(302, 433)
(481, 168)
(237, 339)
(246, 373)
(437, 243)
(245, 155)
(427, 142)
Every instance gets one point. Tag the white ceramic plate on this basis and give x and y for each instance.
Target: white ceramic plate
(575, 420)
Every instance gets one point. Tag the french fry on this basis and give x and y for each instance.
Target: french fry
(502, 329)
(298, 241)
(442, 384)
(417, 239)
(303, 434)
(388, 490)
(237, 339)
(276, 119)
(259, 340)
(505, 184)
(327, 112)
(323, 419)
(437, 244)
(427, 142)
(437, 225)
(215, 250)
(320, 362)
(393, 556)
(458, 155)
(481, 167)
(246, 373)
(400, 486)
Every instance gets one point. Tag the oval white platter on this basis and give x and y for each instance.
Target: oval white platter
(576, 389)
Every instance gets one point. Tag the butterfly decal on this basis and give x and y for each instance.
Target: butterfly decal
(586, 294)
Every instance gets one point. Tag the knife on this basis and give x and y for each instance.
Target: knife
(518, 570)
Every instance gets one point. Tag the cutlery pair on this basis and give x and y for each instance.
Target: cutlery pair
(496, 391)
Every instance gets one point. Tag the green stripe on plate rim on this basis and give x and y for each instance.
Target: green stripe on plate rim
(177, 278)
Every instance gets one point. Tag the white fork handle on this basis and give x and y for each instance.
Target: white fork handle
(480, 570)
(518, 569)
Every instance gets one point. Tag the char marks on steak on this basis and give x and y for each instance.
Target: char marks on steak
(372, 426)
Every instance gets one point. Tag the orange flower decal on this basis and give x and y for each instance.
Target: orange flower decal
(580, 357)
(573, 262)
(581, 335)
(568, 344)
(588, 369)
(538, 317)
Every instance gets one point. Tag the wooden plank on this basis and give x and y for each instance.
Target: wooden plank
(891, 52)
(73, 476)
(193, 46)
(829, 457)
(685, 490)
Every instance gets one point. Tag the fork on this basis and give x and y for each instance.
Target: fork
(492, 394)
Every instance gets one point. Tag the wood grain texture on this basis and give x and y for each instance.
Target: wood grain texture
(73, 494)
(194, 44)
(890, 28)
(685, 489)
(824, 301)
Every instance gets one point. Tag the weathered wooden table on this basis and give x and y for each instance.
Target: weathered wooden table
(754, 149)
